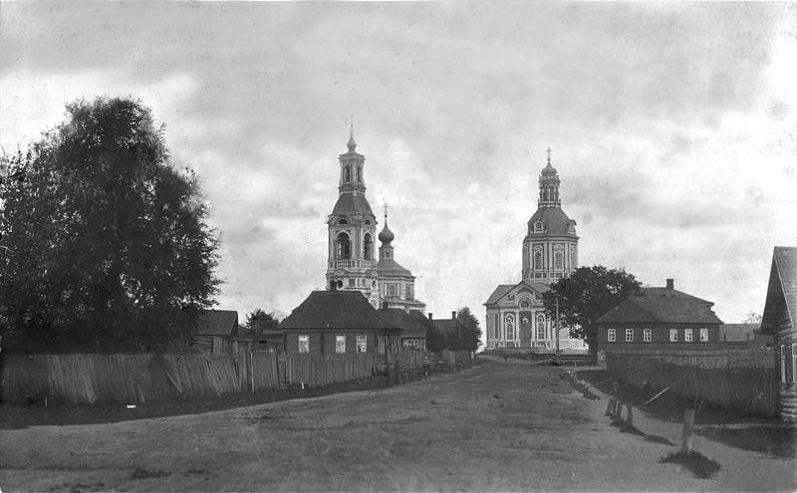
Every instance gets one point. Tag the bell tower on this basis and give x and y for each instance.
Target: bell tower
(352, 230)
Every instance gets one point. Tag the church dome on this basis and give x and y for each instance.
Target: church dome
(552, 221)
(386, 236)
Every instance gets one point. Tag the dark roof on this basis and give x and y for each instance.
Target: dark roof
(782, 289)
(503, 289)
(335, 310)
(446, 325)
(661, 309)
(555, 222)
(413, 324)
(388, 266)
(737, 332)
(217, 323)
(352, 203)
(654, 291)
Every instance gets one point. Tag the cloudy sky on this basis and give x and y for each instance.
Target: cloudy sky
(673, 127)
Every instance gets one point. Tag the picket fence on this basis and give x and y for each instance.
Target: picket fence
(747, 389)
(147, 378)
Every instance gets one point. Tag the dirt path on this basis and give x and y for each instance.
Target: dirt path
(497, 427)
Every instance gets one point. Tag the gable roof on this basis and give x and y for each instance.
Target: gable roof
(413, 324)
(335, 310)
(782, 289)
(503, 289)
(661, 309)
(217, 323)
(665, 292)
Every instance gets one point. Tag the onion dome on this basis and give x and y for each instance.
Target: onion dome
(386, 236)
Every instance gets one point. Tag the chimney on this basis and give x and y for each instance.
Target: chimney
(453, 315)
(670, 284)
(430, 315)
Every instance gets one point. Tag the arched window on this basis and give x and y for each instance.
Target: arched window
(509, 325)
(343, 221)
(368, 247)
(537, 257)
(538, 226)
(524, 303)
(359, 175)
(346, 174)
(558, 257)
(540, 327)
(343, 247)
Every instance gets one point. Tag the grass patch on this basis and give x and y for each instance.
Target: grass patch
(700, 465)
(144, 474)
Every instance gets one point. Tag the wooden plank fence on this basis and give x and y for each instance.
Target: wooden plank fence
(746, 389)
(143, 378)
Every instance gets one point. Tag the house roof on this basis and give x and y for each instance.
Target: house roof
(782, 289)
(389, 267)
(665, 292)
(413, 324)
(661, 309)
(503, 289)
(217, 323)
(335, 310)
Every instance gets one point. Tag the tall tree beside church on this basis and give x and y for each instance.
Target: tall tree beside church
(105, 243)
(471, 334)
(585, 295)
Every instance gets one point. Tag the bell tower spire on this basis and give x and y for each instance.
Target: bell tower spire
(549, 185)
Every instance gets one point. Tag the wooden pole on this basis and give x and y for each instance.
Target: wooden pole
(630, 414)
(689, 425)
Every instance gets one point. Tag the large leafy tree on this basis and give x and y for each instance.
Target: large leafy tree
(585, 295)
(471, 333)
(259, 321)
(105, 243)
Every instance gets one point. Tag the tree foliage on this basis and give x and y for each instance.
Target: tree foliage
(105, 243)
(585, 296)
(435, 341)
(259, 320)
(471, 333)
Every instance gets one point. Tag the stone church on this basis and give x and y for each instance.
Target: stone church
(515, 314)
(352, 264)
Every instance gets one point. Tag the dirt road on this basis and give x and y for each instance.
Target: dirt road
(496, 427)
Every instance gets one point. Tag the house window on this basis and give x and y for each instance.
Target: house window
(410, 343)
(368, 247)
(647, 335)
(629, 335)
(611, 335)
(537, 257)
(673, 335)
(540, 327)
(509, 324)
(558, 257)
(703, 335)
(343, 247)
(687, 335)
(340, 344)
(362, 344)
(304, 344)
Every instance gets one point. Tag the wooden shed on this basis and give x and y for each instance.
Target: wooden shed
(780, 310)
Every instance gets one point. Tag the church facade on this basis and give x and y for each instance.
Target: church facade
(353, 264)
(516, 316)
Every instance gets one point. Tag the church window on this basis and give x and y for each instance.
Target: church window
(351, 283)
(373, 284)
(359, 176)
(343, 221)
(346, 174)
(538, 226)
(524, 303)
(392, 289)
(367, 222)
(368, 247)
(343, 247)
(410, 292)
(538, 257)
(509, 324)
(540, 327)
(558, 257)
(611, 335)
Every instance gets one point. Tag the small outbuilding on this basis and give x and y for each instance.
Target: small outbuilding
(216, 329)
(780, 310)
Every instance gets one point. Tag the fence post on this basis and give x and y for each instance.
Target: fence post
(630, 412)
(689, 425)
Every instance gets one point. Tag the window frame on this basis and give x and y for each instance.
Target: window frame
(303, 344)
(647, 335)
(629, 335)
(703, 332)
(688, 335)
(674, 335)
(541, 326)
(611, 335)
(338, 339)
(361, 345)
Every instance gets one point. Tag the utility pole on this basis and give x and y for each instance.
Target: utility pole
(557, 326)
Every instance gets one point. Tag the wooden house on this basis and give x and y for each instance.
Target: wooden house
(780, 310)
(414, 326)
(216, 329)
(660, 316)
(339, 322)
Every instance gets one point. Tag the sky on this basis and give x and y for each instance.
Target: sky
(673, 127)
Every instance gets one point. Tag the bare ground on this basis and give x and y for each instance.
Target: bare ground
(502, 426)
